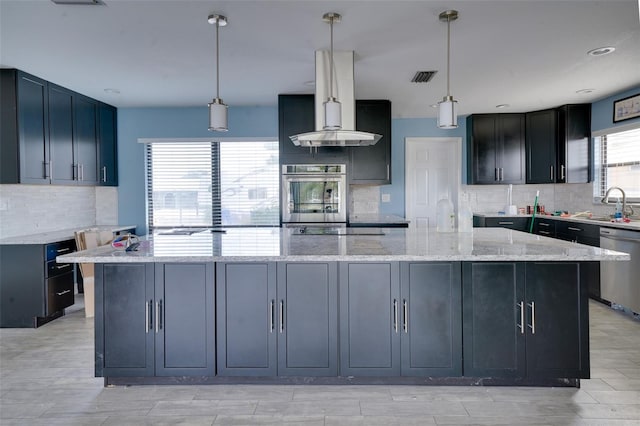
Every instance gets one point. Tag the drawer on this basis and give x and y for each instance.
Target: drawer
(56, 249)
(54, 268)
(517, 223)
(59, 293)
(576, 231)
(546, 227)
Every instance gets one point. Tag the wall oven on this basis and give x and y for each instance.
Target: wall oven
(314, 193)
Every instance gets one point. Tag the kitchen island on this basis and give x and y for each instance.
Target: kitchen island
(392, 306)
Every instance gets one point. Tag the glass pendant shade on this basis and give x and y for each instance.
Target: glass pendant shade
(448, 113)
(218, 116)
(332, 115)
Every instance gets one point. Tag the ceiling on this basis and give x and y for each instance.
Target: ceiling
(530, 54)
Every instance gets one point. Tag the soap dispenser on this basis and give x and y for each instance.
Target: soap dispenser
(618, 214)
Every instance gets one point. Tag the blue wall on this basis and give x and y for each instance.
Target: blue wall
(602, 111)
(134, 123)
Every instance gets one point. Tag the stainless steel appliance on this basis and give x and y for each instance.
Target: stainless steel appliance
(620, 281)
(314, 193)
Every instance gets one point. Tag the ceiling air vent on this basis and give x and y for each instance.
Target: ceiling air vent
(79, 2)
(423, 76)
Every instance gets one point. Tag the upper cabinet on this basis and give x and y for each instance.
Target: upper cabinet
(495, 148)
(51, 134)
(107, 142)
(558, 145)
(372, 164)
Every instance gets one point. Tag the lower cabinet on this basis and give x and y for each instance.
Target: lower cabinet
(277, 319)
(525, 320)
(400, 319)
(155, 319)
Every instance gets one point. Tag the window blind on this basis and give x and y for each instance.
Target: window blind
(203, 184)
(618, 164)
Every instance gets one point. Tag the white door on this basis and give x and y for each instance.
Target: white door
(432, 172)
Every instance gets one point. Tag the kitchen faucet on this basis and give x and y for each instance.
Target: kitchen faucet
(605, 200)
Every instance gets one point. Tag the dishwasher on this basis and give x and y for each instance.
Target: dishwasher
(620, 281)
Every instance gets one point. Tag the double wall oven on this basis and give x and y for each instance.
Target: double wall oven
(314, 193)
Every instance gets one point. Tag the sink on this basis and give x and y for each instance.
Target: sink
(608, 219)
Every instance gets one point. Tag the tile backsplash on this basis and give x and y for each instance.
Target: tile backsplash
(30, 209)
(364, 199)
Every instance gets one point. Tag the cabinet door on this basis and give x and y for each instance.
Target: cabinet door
(108, 145)
(511, 162)
(493, 333)
(541, 146)
(295, 115)
(369, 319)
(557, 318)
(246, 319)
(307, 319)
(185, 332)
(62, 165)
(431, 343)
(33, 129)
(372, 164)
(482, 149)
(124, 336)
(574, 147)
(85, 139)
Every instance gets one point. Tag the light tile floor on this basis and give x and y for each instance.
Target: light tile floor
(46, 378)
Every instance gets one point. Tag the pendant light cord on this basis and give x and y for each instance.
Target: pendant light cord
(217, 59)
(331, 60)
(448, 52)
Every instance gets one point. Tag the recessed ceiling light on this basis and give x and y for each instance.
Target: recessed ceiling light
(434, 105)
(584, 91)
(600, 51)
(112, 91)
(503, 106)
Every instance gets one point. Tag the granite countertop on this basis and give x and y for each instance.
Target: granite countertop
(375, 218)
(396, 244)
(55, 236)
(632, 226)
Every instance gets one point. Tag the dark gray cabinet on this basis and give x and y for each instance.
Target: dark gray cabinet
(495, 148)
(516, 223)
(431, 317)
(246, 319)
(558, 145)
(307, 322)
(155, 320)
(108, 145)
(578, 232)
(369, 319)
(296, 115)
(525, 320)
(372, 164)
(24, 144)
(34, 289)
(50, 134)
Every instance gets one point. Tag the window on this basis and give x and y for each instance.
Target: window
(618, 164)
(204, 183)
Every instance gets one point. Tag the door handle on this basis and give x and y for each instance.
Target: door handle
(62, 250)
(281, 316)
(104, 173)
(496, 174)
(552, 177)
(157, 315)
(388, 172)
(562, 172)
(395, 315)
(81, 171)
(501, 174)
(405, 316)
(46, 165)
(63, 266)
(521, 325)
(571, 228)
(63, 292)
(146, 317)
(532, 326)
(271, 315)
(160, 314)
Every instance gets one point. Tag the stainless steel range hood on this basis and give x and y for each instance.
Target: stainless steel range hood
(344, 91)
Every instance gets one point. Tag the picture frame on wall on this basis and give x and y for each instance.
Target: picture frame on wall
(627, 108)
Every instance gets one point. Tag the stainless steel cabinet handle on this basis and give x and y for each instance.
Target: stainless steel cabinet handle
(104, 173)
(81, 171)
(521, 325)
(50, 169)
(63, 292)
(395, 315)
(45, 165)
(562, 172)
(281, 316)
(157, 314)
(545, 232)
(501, 173)
(496, 175)
(160, 314)
(532, 326)
(405, 316)
(505, 223)
(543, 224)
(551, 173)
(574, 229)
(388, 171)
(146, 317)
(271, 313)
(62, 250)
(63, 266)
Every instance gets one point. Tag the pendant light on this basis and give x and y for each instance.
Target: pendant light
(448, 107)
(217, 108)
(332, 107)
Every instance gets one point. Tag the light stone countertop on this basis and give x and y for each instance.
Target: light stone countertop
(374, 218)
(55, 236)
(397, 244)
(632, 226)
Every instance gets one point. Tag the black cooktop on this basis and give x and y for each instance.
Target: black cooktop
(318, 230)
